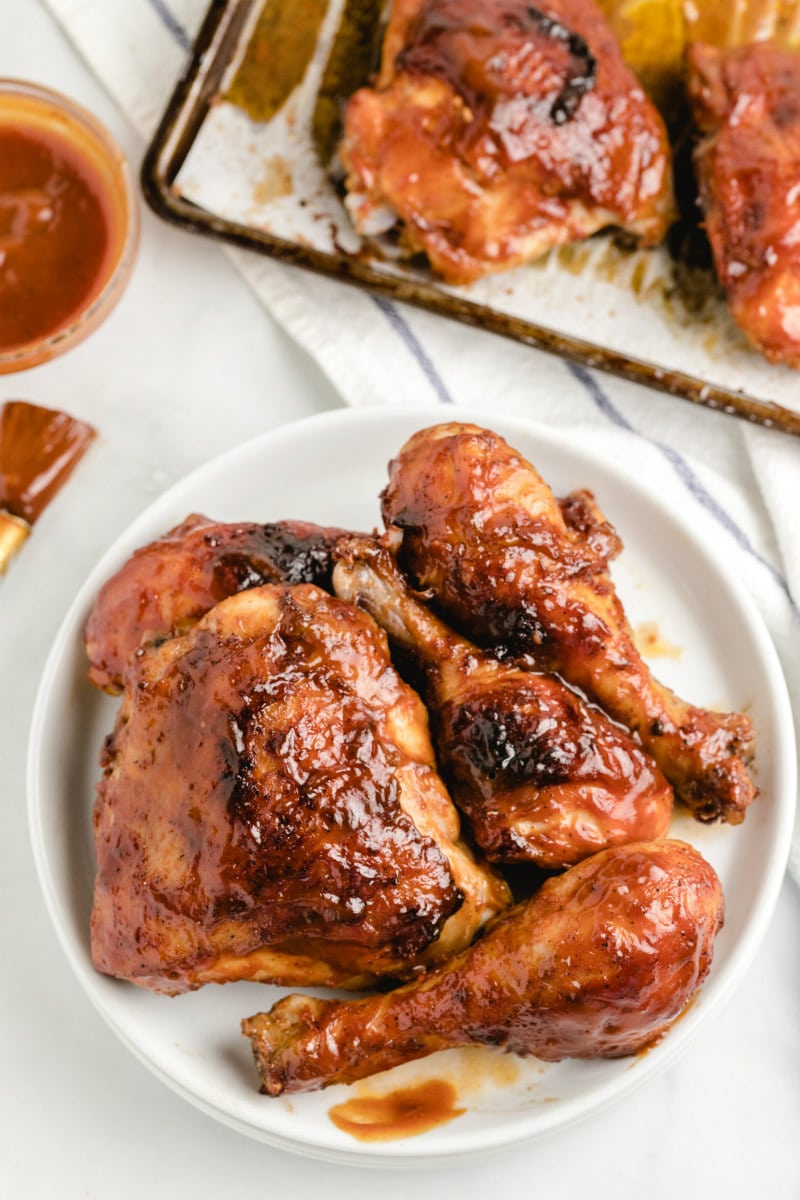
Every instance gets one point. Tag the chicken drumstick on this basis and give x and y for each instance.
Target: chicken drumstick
(597, 963)
(541, 775)
(485, 533)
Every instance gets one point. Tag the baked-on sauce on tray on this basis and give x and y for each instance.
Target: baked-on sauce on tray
(403, 1113)
(277, 57)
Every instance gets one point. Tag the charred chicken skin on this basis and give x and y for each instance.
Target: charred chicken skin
(541, 775)
(497, 130)
(746, 105)
(169, 584)
(598, 963)
(270, 809)
(483, 531)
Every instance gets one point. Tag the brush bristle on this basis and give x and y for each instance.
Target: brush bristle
(39, 448)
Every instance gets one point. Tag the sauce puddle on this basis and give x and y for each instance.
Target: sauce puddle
(405, 1112)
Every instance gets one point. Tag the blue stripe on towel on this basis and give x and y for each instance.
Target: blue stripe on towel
(401, 326)
(171, 23)
(686, 476)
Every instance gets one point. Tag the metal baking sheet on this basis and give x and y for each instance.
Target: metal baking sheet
(261, 184)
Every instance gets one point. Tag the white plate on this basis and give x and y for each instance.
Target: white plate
(330, 469)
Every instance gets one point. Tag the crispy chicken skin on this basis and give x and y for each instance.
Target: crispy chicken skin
(598, 963)
(484, 532)
(270, 809)
(166, 586)
(746, 104)
(540, 775)
(497, 130)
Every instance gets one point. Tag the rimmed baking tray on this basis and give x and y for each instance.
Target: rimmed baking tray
(212, 169)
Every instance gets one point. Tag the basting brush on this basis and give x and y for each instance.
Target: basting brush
(39, 449)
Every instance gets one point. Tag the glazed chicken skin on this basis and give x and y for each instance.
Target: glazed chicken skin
(270, 809)
(746, 105)
(598, 963)
(166, 586)
(483, 531)
(497, 130)
(540, 775)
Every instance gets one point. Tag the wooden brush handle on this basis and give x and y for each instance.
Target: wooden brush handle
(13, 532)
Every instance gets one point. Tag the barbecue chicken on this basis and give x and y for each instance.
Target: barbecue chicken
(270, 809)
(497, 129)
(483, 531)
(598, 963)
(166, 586)
(540, 775)
(746, 104)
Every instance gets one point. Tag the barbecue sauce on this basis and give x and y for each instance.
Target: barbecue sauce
(405, 1112)
(56, 236)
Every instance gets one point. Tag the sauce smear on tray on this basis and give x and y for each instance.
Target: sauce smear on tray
(276, 57)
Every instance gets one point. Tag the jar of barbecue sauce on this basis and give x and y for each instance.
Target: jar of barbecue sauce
(68, 224)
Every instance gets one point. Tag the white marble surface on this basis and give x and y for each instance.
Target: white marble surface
(189, 364)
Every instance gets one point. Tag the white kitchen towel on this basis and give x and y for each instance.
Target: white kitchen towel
(741, 482)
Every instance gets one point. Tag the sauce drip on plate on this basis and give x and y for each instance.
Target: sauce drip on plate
(405, 1112)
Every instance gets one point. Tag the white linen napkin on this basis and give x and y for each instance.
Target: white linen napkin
(741, 482)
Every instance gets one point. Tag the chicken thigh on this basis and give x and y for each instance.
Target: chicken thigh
(541, 775)
(598, 963)
(166, 586)
(498, 129)
(746, 104)
(484, 532)
(270, 809)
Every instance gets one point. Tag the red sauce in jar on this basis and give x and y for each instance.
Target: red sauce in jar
(68, 224)
(55, 235)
